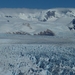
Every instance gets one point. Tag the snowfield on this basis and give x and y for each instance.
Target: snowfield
(33, 21)
(36, 39)
(37, 42)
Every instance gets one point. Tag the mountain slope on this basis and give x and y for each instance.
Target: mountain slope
(33, 21)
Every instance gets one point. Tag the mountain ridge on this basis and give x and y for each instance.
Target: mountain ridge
(33, 21)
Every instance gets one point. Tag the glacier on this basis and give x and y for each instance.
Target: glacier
(24, 50)
(37, 59)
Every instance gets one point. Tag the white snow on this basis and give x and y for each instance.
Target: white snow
(31, 21)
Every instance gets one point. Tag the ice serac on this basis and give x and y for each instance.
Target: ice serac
(37, 59)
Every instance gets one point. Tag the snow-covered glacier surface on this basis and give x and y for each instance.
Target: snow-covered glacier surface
(37, 59)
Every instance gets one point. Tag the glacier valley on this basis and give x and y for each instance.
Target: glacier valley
(37, 42)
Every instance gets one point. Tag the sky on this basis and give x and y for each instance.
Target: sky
(37, 4)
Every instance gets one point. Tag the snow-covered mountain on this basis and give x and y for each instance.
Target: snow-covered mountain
(33, 21)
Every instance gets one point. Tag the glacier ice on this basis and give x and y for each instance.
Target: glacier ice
(37, 59)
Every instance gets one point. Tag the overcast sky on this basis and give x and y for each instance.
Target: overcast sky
(37, 4)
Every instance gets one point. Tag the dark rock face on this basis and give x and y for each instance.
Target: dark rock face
(44, 20)
(70, 28)
(50, 14)
(73, 22)
(20, 33)
(47, 32)
(8, 16)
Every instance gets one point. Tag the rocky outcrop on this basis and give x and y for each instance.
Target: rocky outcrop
(20, 33)
(47, 32)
